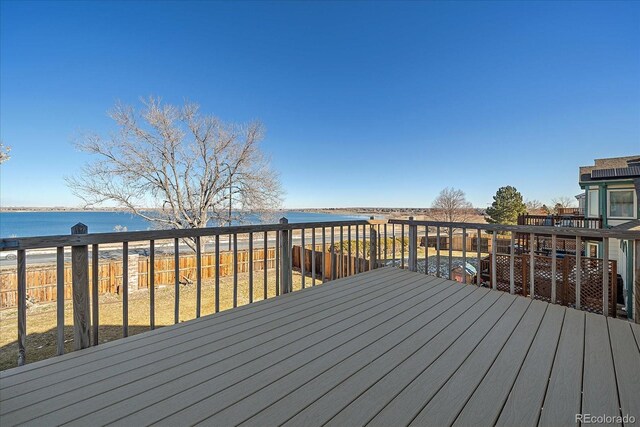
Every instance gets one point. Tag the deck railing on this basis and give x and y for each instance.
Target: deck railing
(560, 220)
(352, 247)
(603, 287)
(331, 236)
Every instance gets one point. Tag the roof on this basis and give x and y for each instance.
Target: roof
(611, 168)
(633, 225)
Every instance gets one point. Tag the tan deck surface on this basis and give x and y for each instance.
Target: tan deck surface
(386, 348)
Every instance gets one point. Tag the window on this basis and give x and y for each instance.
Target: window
(592, 250)
(621, 204)
(593, 204)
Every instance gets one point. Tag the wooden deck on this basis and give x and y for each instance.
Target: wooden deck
(386, 347)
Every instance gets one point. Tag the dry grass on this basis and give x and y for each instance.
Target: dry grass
(41, 318)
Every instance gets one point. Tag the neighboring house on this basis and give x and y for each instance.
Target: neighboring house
(611, 191)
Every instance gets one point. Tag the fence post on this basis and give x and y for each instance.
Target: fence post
(373, 243)
(285, 255)
(413, 245)
(80, 286)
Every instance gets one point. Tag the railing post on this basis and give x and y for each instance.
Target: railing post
(413, 245)
(636, 281)
(373, 242)
(285, 254)
(80, 286)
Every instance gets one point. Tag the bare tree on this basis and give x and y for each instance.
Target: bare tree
(178, 168)
(451, 205)
(4, 153)
(563, 202)
(534, 206)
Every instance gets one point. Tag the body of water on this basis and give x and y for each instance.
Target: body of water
(27, 224)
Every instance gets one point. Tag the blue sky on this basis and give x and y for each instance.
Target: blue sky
(365, 103)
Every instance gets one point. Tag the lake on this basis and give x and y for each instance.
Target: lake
(27, 224)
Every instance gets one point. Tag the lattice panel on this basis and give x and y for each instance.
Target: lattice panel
(590, 280)
(502, 274)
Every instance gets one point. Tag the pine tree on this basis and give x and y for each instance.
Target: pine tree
(507, 205)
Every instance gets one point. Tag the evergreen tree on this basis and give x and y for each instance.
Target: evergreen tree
(507, 205)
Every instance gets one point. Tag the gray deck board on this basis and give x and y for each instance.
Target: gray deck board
(407, 404)
(563, 399)
(335, 393)
(385, 347)
(216, 357)
(627, 366)
(453, 396)
(599, 394)
(218, 338)
(233, 340)
(524, 403)
(222, 390)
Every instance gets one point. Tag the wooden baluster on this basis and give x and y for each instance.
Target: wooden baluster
(313, 257)
(578, 270)
(152, 284)
(532, 264)
(95, 294)
(426, 249)
(302, 258)
(393, 246)
(265, 260)
(438, 251)
(494, 253)
(512, 265)
(59, 299)
(554, 269)
(479, 258)
(217, 273)
(341, 264)
(358, 249)
(333, 255)
(250, 268)
(198, 276)
(22, 307)
(464, 256)
(125, 289)
(176, 285)
(235, 269)
(450, 251)
(349, 262)
(324, 254)
(605, 277)
(385, 241)
(636, 283)
(402, 246)
(278, 256)
(364, 246)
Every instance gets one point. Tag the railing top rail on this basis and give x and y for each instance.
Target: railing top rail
(42, 242)
(536, 229)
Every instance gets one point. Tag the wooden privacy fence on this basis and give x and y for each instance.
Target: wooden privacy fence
(591, 296)
(41, 281)
(328, 265)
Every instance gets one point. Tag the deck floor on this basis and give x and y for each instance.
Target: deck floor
(385, 348)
